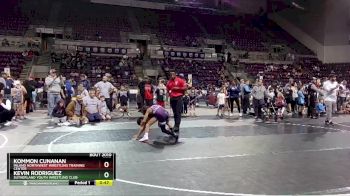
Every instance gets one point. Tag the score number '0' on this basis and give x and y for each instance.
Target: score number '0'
(106, 174)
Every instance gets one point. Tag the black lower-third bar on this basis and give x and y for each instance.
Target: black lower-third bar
(82, 182)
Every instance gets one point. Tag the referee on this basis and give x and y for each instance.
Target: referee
(176, 87)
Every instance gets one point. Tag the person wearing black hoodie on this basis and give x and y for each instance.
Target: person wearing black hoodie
(59, 112)
(6, 112)
(141, 87)
(29, 85)
(233, 94)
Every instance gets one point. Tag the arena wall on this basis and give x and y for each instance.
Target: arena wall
(323, 27)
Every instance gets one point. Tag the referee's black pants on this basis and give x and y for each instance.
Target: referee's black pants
(176, 104)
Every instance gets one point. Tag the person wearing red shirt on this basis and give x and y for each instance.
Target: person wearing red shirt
(176, 87)
(148, 89)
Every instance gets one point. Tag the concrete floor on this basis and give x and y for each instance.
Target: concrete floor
(214, 157)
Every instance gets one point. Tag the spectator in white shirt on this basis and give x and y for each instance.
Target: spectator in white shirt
(106, 89)
(221, 98)
(330, 88)
(92, 105)
(343, 92)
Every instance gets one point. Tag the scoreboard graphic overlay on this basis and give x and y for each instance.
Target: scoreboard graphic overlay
(59, 169)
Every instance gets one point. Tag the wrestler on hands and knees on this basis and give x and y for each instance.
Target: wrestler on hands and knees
(152, 115)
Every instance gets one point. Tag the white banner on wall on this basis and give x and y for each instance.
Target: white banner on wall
(7, 70)
(189, 79)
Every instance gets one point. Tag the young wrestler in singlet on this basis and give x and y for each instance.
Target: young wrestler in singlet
(152, 115)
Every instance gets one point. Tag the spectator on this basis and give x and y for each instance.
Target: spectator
(294, 92)
(313, 91)
(301, 100)
(103, 109)
(161, 93)
(289, 94)
(193, 102)
(81, 90)
(280, 103)
(139, 100)
(59, 113)
(106, 89)
(6, 112)
(186, 101)
(85, 81)
(245, 96)
(18, 93)
(29, 85)
(123, 97)
(53, 84)
(221, 99)
(92, 106)
(8, 86)
(259, 93)
(320, 108)
(148, 93)
(76, 111)
(330, 87)
(141, 87)
(233, 93)
(69, 90)
(343, 92)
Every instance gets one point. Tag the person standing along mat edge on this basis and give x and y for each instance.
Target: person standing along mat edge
(176, 88)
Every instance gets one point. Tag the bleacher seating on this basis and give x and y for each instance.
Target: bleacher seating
(278, 72)
(302, 70)
(171, 27)
(104, 26)
(97, 66)
(14, 60)
(203, 72)
(13, 24)
(102, 29)
(341, 70)
(12, 21)
(234, 29)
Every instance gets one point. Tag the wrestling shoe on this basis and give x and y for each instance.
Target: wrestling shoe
(176, 138)
(176, 130)
(66, 123)
(8, 123)
(144, 138)
(331, 123)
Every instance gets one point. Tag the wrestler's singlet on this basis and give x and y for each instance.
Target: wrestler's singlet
(160, 113)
